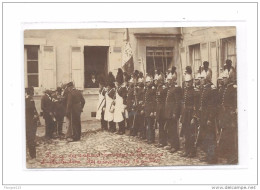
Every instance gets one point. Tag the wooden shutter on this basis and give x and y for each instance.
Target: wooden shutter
(48, 75)
(183, 59)
(213, 61)
(77, 67)
(204, 52)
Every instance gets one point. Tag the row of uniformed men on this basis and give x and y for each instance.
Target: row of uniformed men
(207, 113)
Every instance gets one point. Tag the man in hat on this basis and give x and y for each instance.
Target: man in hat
(59, 110)
(31, 117)
(75, 105)
(172, 113)
(101, 103)
(187, 114)
(161, 93)
(140, 116)
(228, 120)
(206, 137)
(120, 102)
(109, 105)
(47, 106)
(149, 109)
(206, 70)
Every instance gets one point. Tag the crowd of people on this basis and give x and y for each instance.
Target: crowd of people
(142, 103)
(207, 113)
(63, 105)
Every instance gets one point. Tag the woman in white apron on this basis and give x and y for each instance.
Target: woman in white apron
(120, 103)
(109, 106)
(101, 104)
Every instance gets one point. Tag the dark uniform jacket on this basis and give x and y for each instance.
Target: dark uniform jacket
(173, 102)
(59, 106)
(161, 94)
(188, 104)
(30, 111)
(75, 102)
(47, 105)
(149, 101)
(228, 96)
(205, 93)
(130, 100)
(140, 99)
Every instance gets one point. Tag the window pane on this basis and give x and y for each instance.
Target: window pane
(32, 66)
(32, 52)
(33, 80)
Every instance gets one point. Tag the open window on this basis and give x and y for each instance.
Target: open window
(159, 58)
(228, 47)
(95, 65)
(195, 57)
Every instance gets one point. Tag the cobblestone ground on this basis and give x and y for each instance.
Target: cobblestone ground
(103, 149)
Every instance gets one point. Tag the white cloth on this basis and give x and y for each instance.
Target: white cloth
(108, 116)
(101, 103)
(119, 109)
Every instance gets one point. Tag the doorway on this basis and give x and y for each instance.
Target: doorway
(95, 63)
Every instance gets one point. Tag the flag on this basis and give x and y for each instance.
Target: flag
(127, 58)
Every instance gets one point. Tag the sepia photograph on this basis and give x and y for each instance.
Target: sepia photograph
(130, 97)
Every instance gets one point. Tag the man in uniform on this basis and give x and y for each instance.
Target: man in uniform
(149, 109)
(140, 119)
(101, 104)
(187, 114)
(172, 113)
(228, 120)
(31, 117)
(207, 118)
(75, 105)
(161, 93)
(47, 107)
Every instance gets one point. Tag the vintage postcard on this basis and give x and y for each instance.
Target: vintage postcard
(131, 97)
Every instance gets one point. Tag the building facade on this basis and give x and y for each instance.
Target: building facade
(55, 57)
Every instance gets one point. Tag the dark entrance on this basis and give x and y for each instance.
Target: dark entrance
(95, 63)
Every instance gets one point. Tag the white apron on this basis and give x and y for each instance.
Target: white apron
(108, 116)
(119, 109)
(101, 103)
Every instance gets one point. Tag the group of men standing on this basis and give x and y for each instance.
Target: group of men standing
(207, 113)
(65, 102)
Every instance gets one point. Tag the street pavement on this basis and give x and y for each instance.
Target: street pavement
(103, 149)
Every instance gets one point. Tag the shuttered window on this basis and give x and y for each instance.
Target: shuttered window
(31, 60)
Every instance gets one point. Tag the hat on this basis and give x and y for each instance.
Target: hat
(110, 79)
(70, 84)
(29, 89)
(119, 76)
(188, 78)
(59, 89)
